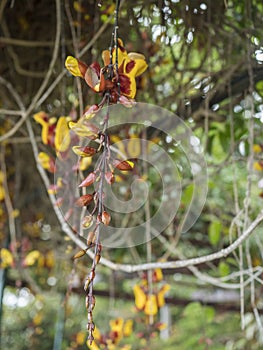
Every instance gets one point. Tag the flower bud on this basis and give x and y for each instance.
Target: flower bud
(105, 218)
(91, 237)
(87, 221)
(84, 200)
(88, 180)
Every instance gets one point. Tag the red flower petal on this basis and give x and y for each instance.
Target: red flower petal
(125, 84)
(96, 67)
(89, 180)
(82, 67)
(84, 200)
(105, 218)
(122, 164)
(91, 77)
(130, 66)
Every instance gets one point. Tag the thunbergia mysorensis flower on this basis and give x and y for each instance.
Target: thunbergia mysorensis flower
(130, 66)
(55, 132)
(116, 82)
(151, 301)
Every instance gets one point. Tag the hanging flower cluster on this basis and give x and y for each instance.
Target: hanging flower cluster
(116, 82)
(119, 330)
(93, 201)
(55, 133)
(150, 301)
(111, 77)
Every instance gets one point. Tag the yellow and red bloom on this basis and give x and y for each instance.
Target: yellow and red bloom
(130, 66)
(148, 302)
(62, 135)
(56, 133)
(119, 329)
(48, 127)
(47, 162)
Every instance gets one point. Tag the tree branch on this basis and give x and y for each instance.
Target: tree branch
(140, 267)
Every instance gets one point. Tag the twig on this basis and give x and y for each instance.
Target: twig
(218, 282)
(140, 267)
(10, 112)
(25, 43)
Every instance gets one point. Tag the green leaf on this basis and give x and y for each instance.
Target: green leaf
(259, 88)
(209, 313)
(217, 150)
(224, 269)
(214, 232)
(187, 194)
(192, 309)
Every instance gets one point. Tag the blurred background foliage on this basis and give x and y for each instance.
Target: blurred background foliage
(205, 64)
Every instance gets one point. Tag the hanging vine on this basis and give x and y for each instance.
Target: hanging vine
(115, 81)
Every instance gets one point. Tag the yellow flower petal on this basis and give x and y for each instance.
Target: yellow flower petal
(106, 57)
(158, 274)
(97, 336)
(32, 257)
(257, 148)
(161, 293)
(151, 307)
(122, 53)
(136, 56)
(81, 337)
(2, 193)
(62, 136)
(117, 324)
(72, 66)
(134, 147)
(43, 159)
(140, 297)
(85, 163)
(50, 259)
(82, 130)
(127, 328)
(15, 213)
(60, 182)
(44, 134)
(38, 318)
(162, 326)
(130, 163)
(118, 178)
(2, 177)
(41, 260)
(42, 119)
(93, 346)
(140, 63)
(96, 333)
(52, 120)
(6, 258)
(258, 166)
(117, 143)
